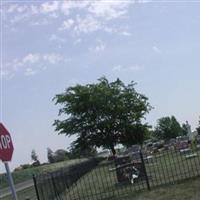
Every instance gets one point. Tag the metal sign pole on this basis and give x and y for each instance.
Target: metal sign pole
(10, 180)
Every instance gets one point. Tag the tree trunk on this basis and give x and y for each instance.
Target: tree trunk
(113, 150)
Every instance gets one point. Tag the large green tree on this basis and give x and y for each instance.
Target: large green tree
(102, 114)
(184, 129)
(50, 155)
(34, 156)
(168, 127)
(198, 128)
(79, 148)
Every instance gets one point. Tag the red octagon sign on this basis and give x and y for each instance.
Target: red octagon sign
(6, 146)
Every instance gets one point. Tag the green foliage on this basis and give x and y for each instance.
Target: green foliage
(22, 167)
(34, 156)
(167, 128)
(135, 134)
(60, 155)
(194, 144)
(80, 149)
(184, 129)
(198, 128)
(57, 156)
(50, 156)
(103, 114)
(25, 166)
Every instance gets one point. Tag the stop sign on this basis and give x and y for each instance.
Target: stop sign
(6, 146)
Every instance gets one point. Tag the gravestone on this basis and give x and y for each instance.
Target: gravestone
(128, 169)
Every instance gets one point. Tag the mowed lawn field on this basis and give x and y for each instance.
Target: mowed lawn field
(28, 193)
(101, 183)
(185, 190)
(171, 176)
(26, 174)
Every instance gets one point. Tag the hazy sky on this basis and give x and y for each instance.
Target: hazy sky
(50, 45)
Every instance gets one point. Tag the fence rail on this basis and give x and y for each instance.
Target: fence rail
(95, 180)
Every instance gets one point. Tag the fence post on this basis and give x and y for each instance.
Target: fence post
(145, 172)
(36, 188)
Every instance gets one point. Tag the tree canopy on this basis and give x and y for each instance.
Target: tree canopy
(184, 129)
(79, 149)
(35, 159)
(198, 128)
(34, 156)
(103, 114)
(58, 155)
(169, 127)
(50, 156)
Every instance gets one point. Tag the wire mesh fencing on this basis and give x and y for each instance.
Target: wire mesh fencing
(53, 185)
(103, 179)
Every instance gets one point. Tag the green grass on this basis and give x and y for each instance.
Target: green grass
(185, 190)
(22, 195)
(168, 167)
(100, 183)
(26, 174)
(171, 167)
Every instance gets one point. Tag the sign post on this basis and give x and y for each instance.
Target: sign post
(6, 151)
(10, 180)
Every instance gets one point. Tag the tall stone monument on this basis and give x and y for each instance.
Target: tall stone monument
(189, 131)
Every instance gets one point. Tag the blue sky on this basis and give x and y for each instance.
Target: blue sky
(50, 45)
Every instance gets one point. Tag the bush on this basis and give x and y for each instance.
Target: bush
(36, 163)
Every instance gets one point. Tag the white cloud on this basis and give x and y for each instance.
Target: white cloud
(93, 15)
(144, 1)
(97, 15)
(43, 21)
(156, 49)
(125, 33)
(87, 24)
(77, 41)
(31, 58)
(34, 9)
(29, 72)
(22, 8)
(6, 74)
(109, 9)
(120, 68)
(99, 47)
(49, 6)
(67, 24)
(55, 38)
(18, 18)
(52, 58)
(67, 6)
(32, 63)
(12, 8)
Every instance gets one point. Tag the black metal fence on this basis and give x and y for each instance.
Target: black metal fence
(53, 185)
(115, 179)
